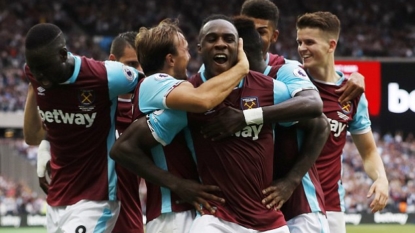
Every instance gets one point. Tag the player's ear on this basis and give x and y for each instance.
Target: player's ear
(332, 45)
(169, 60)
(275, 35)
(112, 57)
(63, 54)
(199, 48)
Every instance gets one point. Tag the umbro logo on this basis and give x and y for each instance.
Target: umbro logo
(343, 116)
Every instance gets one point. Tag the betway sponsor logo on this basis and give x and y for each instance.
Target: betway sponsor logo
(391, 218)
(399, 100)
(10, 221)
(60, 117)
(336, 127)
(353, 218)
(36, 220)
(250, 131)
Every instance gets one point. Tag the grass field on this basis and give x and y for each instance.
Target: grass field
(375, 228)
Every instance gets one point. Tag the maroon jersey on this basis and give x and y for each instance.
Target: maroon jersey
(175, 158)
(79, 116)
(241, 165)
(308, 197)
(130, 219)
(274, 59)
(329, 163)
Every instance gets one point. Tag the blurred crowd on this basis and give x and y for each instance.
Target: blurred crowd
(398, 155)
(17, 199)
(380, 28)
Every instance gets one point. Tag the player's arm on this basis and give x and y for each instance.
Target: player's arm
(354, 88)
(374, 168)
(305, 104)
(211, 93)
(132, 149)
(32, 126)
(316, 132)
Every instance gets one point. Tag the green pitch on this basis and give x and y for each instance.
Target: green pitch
(375, 228)
(381, 228)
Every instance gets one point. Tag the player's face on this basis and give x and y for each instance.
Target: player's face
(269, 34)
(181, 59)
(48, 69)
(129, 58)
(314, 47)
(218, 46)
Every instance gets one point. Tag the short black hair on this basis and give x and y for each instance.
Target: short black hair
(121, 41)
(252, 39)
(41, 35)
(261, 9)
(214, 17)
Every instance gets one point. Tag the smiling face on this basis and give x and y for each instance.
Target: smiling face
(315, 47)
(218, 46)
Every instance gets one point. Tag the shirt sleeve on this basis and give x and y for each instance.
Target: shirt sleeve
(122, 79)
(295, 78)
(281, 94)
(154, 90)
(361, 121)
(165, 124)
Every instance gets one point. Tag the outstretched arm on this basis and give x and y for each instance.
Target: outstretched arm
(374, 168)
(305, 105)
(211, 93)
(32, 126)
(316, 132)
(132, 149)
(354, 88)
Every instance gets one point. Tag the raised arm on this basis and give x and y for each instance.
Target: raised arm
(374, 168)
(132, 151)
(211, 93)
(316, 132)
(32, 126)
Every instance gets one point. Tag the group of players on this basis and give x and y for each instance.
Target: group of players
(252, 143)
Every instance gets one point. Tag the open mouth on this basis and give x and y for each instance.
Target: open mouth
(220, 58)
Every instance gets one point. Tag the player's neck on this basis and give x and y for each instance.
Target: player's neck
(325, 73)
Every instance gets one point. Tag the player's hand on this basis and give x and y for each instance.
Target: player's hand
(354, 87)
(278, 193)
(381, 191)
(243, 62)
(198, 195)
(43, 182)
(228, 121)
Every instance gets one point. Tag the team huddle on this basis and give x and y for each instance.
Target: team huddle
(251, 143)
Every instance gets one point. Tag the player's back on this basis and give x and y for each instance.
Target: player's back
(79, 117)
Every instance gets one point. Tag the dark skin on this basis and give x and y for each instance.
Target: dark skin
(316, 130)
(306, 106)
(50, 64)
(131, 150)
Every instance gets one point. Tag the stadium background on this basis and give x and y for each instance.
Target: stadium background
(377, 39)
